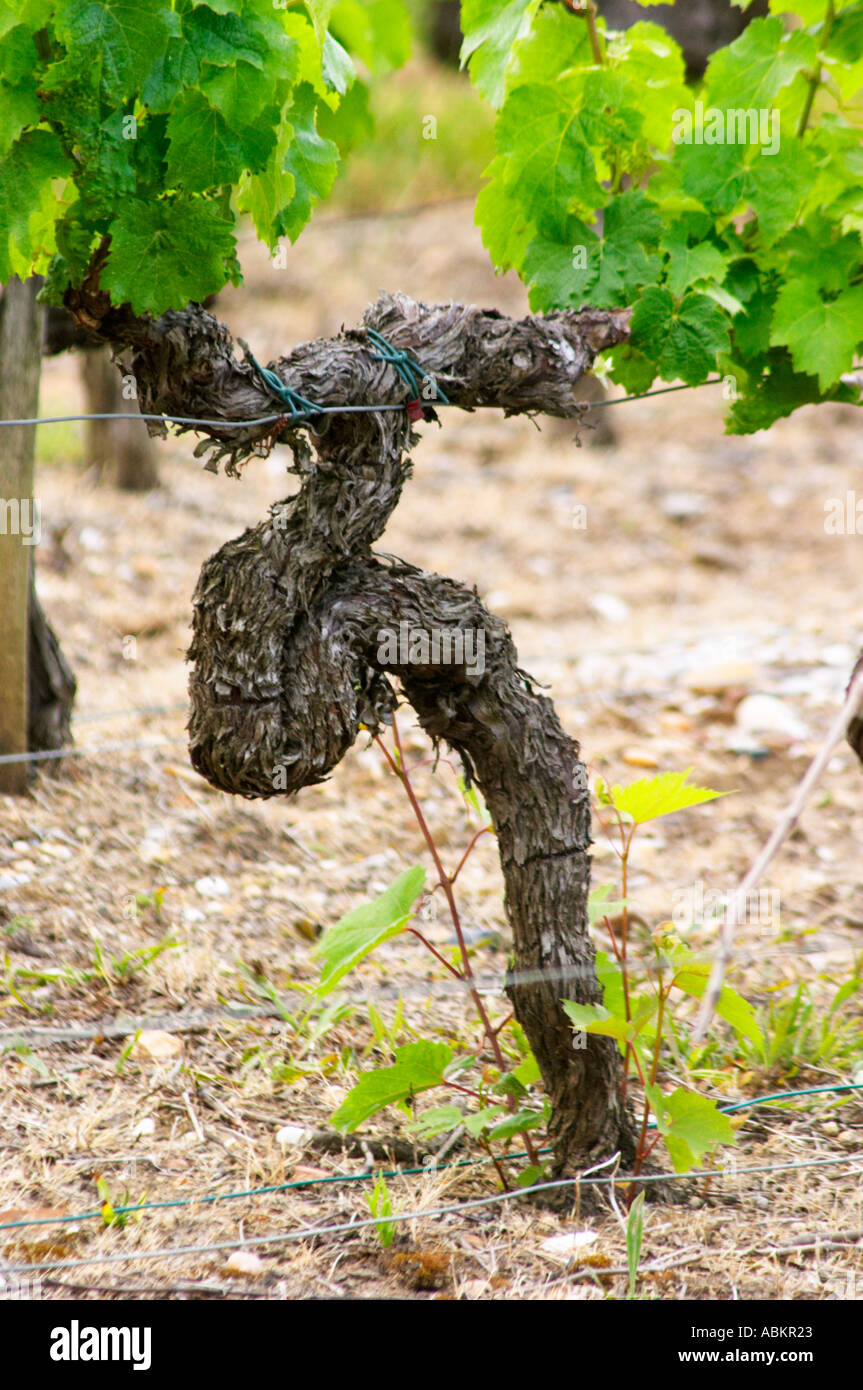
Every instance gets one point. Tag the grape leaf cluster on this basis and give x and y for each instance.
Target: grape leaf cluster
(154, 125)
(728, 217)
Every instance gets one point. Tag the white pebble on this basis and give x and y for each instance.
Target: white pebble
(610, 607)
(213, 886)
(290, 1134)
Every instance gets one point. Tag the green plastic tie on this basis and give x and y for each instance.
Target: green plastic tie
(299, 407)
(409, 370)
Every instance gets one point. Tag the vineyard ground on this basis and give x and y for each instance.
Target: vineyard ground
(698, 551)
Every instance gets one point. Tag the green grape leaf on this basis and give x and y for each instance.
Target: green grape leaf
(687, 265)
(478, 1122)
(610, 977)
(751, 329)
(743, 279)
(552, 46)
(505, 230)
(363, 929)
(418, 1067)
(337, 68)
(631, 229)
(595, 1018)
(823, 335)
(549, 168)
(601, 903)
(74, 245)
(114, 41)
(204, 151)
(631, 369)
(490, 29)
(527, 1073)
(239, 92)
(26, 173)
(520, 1122)
(691, 1125)
(219, 6)
(19, 103)
(683, 340)
(846, 35)
(34, 13)
(731, 1006)
(777, 187)
(311, 160)
(165, 254)
(19, 108)
(817, 255)
(267, 196)
(173, 70)
(810, 11)
(652, 63)
(751, 71)
(439, 1120)
(310, 60)
(320, 11)
(778, 393)
(17, 54)
(352, 124)
(652, 797)
(714, 175)
(561, 272)
(377, 32)
(225, 39)
(612, 116)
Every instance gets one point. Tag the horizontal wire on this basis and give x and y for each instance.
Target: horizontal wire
(190, 419)
(49, 753)
(262, 1191)
(644, 395)
(481, 983)
(377, 1173)
(96, 716)
(455, 1209)
(791, 1095)
(320, 410)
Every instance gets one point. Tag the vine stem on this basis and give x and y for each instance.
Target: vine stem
(446, 882)
(614, 945)
(641, 1151)
(436, 953)
(403, 775)
(596, 49)
(485, 829)
(626, 844)
(586, 10)
(465, 1090)
(815, 75)
(498, 1165)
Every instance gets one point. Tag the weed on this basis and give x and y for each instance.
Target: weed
(380, 1205)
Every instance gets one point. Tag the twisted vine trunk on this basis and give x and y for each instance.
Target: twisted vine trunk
(535, 786)
(290, 620)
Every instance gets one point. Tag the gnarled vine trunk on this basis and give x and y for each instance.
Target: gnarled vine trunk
(289, 657)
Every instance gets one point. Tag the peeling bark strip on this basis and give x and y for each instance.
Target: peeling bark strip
(287, 656)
